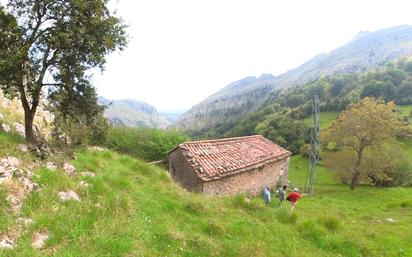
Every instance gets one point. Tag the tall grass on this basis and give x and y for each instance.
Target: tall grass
(144, 143)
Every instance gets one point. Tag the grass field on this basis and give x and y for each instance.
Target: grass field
(326, 119)
(134, 209)
(405, 111)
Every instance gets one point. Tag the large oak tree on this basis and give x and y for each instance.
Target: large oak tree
(49, 46)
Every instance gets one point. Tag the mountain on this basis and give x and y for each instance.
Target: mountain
(365, 51)
(171, 116)
(133, 113)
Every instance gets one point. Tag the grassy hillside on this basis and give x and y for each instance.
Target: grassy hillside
(326, 119)
(134, 209)
(406, 111)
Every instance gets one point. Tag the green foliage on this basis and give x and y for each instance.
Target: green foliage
(78, 118)
(305, 150)
(284, 109)
(62, 39)
(284, 131)
(366, 134)
(144, 143)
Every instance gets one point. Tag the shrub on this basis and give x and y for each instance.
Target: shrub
(330, 223)
(305, 150)
(406, 204)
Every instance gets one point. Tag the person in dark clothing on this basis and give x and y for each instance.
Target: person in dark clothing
(281, 194)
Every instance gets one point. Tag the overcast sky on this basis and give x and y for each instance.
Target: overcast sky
(182, 51)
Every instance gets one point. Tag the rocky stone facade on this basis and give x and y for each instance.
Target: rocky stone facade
(251, 181)
(183, 173)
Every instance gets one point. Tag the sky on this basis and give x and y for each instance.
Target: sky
(182, 51)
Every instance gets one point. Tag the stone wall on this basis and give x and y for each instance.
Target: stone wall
(252, 181)
(183, 173)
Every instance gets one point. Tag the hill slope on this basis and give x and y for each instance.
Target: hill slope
(133, 113)
(365, 51)
(134, 209)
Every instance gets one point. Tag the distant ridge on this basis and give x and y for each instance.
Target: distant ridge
(133, 113)
(365, 51)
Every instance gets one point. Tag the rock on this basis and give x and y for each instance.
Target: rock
(9, 162)
(8, 166)
(25, 222)
(15, 203)
(19, 128)
(69, 195)
(96, 148)
(39, 239)
(18, 173)
(6, 102)
(43, 151)
(390, 220)
(69, 169)
(24, 148)
(29, 186)
(4, 174)
(51, 166)
(88, 174)
(5, 127)
(84, 184)
(6, 244)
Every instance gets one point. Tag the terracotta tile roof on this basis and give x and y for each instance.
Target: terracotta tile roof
(213, 159)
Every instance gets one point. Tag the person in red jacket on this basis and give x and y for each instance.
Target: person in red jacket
(294, 197)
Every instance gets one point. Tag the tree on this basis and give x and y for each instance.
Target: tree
(78, 117)
(367, 125)
(48, 46)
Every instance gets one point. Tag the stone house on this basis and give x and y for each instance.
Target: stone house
(230, 165)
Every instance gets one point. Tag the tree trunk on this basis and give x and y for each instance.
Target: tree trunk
(356, 174)
(28, 124)
(355, 178)
(29, 114)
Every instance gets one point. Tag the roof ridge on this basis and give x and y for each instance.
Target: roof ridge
(222, 139)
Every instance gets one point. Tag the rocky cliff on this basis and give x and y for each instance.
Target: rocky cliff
(365, 51)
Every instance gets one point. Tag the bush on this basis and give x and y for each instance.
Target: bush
(305, 150)
(149, 144)
(330, 223)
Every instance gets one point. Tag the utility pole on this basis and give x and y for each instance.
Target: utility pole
(315, 147)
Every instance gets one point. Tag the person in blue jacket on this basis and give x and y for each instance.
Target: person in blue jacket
(266, 195)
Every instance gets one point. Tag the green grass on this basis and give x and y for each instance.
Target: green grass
(404, 110)
(134, 209)
(326, 120)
